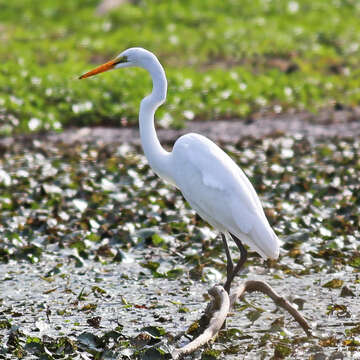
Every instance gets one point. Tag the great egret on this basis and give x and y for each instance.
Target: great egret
(208, 178)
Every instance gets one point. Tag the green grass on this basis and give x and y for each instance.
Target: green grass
(225, 59)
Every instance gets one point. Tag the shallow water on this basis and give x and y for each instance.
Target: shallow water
(100, 258)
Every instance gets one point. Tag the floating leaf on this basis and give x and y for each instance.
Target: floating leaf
(345, 291)
(94, 322)
(155, 354)
(155, 331)
(89, 307)
(282, 351)
(334, 284)
(210, 354)
(353, 331)
(351, 342)
(151, 265)
(174, 273)
(89, 340)
(328, 341)
(157, 240)
(253, 315)
(355, 262)
(339, 309)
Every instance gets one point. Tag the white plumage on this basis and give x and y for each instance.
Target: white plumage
(221, 193)
(207, 177)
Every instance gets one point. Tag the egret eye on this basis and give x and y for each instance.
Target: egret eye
(121, 60)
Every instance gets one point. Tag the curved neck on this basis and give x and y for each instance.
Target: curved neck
(157, 156)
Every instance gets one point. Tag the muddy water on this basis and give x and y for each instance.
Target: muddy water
(128, 296)
(100, 258)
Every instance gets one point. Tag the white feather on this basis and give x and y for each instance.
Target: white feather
(208, 178)
(221, 193)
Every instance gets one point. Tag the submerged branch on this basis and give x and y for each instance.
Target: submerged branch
(219, 309)
(221, 304)
(254, 285)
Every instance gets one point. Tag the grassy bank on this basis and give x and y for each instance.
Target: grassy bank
(223, 60)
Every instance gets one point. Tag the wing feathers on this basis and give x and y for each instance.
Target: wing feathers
(221, 193)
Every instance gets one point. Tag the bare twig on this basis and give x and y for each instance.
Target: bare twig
(220, 309)
(253, 285)
(221, 304)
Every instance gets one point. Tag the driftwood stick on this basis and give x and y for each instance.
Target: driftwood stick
(220, 307)
(253, 285)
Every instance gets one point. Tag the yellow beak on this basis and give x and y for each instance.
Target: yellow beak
(104, 67)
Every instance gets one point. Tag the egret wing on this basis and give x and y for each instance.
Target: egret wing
(210, 179)
(221, 193)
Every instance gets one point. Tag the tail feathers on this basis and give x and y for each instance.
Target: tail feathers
(264, 240)
(257, 233)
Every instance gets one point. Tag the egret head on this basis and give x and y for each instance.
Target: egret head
(130, 57)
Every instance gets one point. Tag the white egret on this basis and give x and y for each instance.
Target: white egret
(208, 178)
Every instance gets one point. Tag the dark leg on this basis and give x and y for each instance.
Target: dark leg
(239, 265)
(229, 264)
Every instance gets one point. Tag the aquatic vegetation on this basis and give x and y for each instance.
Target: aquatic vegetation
(88, 225)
